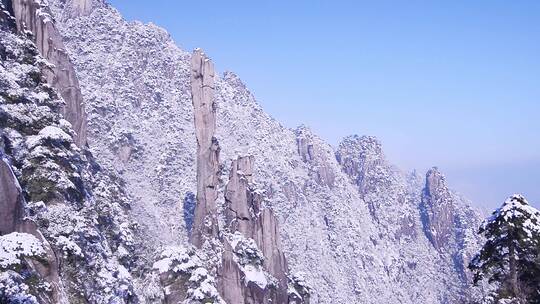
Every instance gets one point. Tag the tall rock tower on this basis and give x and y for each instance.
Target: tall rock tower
(202, 91)
(35, 17)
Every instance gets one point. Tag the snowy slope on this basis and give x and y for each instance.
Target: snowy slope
(352, 223)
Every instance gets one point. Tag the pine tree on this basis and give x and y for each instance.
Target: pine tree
(510, 256)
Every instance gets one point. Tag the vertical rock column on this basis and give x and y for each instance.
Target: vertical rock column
(245, 213)
(238, 198)
(34, 16)
(243, 276)
(202, 91)
(11, 200)
(437, 210)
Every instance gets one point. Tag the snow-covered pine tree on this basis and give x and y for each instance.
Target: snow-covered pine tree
(510, 256)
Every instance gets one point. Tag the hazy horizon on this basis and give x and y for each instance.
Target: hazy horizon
(452, 85)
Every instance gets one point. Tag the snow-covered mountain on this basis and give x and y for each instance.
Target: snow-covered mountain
(351, 226)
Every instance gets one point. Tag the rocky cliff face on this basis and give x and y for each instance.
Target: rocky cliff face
(202, 93)
(34, 17)
(353, 228)
(154, 156)
(253, 267)
(359, 157)
(246, 214)
(438, 210)
(65, 232)
(11, 199)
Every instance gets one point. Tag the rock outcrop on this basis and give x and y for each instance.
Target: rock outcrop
(202, 92)
(362, 159)
(318, 162)
(253, 267)
(437, 210)
(81, 7)
(327, 232)
(65, 232)
(35, 17)
(360, 156)
(12, 220)
(11, 199)
(239, 201)
(246, 214)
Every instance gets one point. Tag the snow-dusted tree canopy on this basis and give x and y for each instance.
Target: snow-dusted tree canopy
(510, 256)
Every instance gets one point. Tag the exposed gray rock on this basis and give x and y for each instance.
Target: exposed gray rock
(238, 199)
(437, 208)
(246, 214)
(35, 16)
(244, 210)
(202, 91)
(73, 208)
(320, 167)
(11, 199)
(347, 254)
(81, 7)
(48, 269)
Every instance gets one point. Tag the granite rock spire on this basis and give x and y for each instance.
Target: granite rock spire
(202, 91)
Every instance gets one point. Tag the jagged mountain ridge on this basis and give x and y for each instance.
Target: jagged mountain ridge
(363, 238)
(242, 125)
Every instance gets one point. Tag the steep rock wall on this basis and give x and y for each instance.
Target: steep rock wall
(345, 253)
(34, 16)
(202, 92)
(73, 220)
(245, 213)
(437, 208)
(244, 210)
(11, 199)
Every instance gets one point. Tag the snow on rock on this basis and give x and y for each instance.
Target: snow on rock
(74, 207)
(250, 260)
(351, 223)
(185, 278)
(154, 156)
(177, 259)
(51, 133)
(14, 290)
(255, 274)
(298, 289)
(15, 246)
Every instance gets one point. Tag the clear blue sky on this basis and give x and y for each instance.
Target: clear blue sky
(454, 84)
